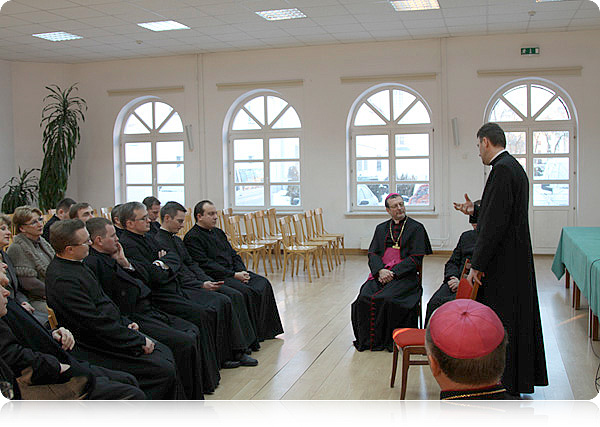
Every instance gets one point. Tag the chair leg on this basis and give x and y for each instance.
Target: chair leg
(394, 366)
(307, 264)
(567, 279)
(405, 365)
(284, 265)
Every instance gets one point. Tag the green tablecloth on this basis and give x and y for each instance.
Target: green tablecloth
(579, 252)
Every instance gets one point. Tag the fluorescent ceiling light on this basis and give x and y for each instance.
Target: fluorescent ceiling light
(59, 36)
(407, 5)
(164, 26)
(278, 15)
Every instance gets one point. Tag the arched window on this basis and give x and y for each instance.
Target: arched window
(391, 137)
(264, 153)
(152, 153)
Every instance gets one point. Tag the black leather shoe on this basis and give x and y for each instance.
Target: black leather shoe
(230, 364)
(255, 346)
(246, 360)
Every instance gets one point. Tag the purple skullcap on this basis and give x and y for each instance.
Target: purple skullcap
(391, 195)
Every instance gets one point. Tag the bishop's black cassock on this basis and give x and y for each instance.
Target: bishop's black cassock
(80, 304)
(503, 253)
(213, 253)
(381, 308)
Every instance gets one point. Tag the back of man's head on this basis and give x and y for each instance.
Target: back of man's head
(468, 342)
(63, 233)
(114, 214)
(64, 207)
(494, 133)
(150, 201)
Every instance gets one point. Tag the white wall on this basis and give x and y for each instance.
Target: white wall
(7, 149)
(323, 103)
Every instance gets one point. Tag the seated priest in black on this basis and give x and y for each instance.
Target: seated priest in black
(26, 344)
(390, 297)
(466, 347)
(454, 268)
(161, 272)
(114, 217)
(209, 248)
(153, 208)
(105, 336)
(195, 281)
(62, 212)
(120, 281)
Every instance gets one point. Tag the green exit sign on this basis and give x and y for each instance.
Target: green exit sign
(530, 51)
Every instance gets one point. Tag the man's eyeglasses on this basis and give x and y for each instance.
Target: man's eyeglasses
(35, 221)
(144, 218)
(86, 243)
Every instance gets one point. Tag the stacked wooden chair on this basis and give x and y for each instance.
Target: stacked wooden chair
(246, 250)
(292, 251)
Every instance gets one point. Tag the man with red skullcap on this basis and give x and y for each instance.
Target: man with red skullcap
(390, 297)
(466, 347)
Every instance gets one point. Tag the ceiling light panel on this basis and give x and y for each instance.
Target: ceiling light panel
(281, 14)
(164, 26)
(408, 5)
(59, 36)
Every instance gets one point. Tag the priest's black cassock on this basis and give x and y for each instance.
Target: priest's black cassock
(213, 253)
(80, 304)
(503, 253)
(381, 308)
(168, 294)
(24, 342)
(454, 267)
(185, 340)
(192, 277)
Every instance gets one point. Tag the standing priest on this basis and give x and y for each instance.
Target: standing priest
(390, 297)
(503, 261)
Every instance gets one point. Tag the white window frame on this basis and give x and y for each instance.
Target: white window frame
(390, 129)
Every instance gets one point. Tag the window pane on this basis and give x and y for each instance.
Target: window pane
(138, 174)
(169, 151)
(371, 194)
(248, 149)
(249, 195)
(414, 194)
(372, 170)
(249, 172)
(289, 120)
(551, 168)
(285, 195)
(551, 194)
(551, 142)
(256, 107)
(274, 106)
(285, 171)
(516, 142)
(417, 114)
(137, 194)
(539, 97)
(400, 102)
(173, 125)
(557, 110)
(503, 113)
(416, 144)
(170, 173)
(381, 102)
(367, 117)
(243, 121)
(284, 148)
(518, 97)
(144, 111)
(372, 146)
(134, 126)
(523, 162)
(161, 111)
(412, 169)
(171, 193)
(138, 152)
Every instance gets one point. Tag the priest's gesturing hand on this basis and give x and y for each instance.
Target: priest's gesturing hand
(212, 286)
(149, 347)
(65, 337)
(475, 276)
(385, 276)
(467, 207)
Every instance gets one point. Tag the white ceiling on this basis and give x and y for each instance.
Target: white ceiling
(109, 27)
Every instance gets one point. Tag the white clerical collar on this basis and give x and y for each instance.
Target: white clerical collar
(497, 154)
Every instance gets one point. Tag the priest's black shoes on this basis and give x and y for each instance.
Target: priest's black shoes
(246, 360)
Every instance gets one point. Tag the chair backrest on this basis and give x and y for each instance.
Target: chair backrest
(235, 230)
(298, 228)
(226, 224)
(105, 212)
(259, 223)
(249, 224)
(319, 226)
(286, 232)
(52, 319)
(309, 225)
(272, 217)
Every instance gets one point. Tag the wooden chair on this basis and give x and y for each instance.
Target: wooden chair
(311, 235)
(52, 319)
(301, 240)
(252, 238)
(224, 219)
(273, 223)
(320, 229)
(291, 250)
(246, 250)
(412, 340)
(105, 212)
(261, 233)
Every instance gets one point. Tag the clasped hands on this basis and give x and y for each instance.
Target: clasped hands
(385, 276)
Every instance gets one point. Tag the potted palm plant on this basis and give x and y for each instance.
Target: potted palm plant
(22, 190)
(61, 117)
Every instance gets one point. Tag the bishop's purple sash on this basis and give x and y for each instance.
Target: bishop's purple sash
(390, 258)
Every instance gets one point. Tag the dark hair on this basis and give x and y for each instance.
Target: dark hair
(478, 371)
(62, 233)
(171, 209)
(150, 201)
(65, 204)
(127, 212)
(97, 227)
(199, 208)
(494, 133)
(74, 209)
(393, 196)
(114, 213)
